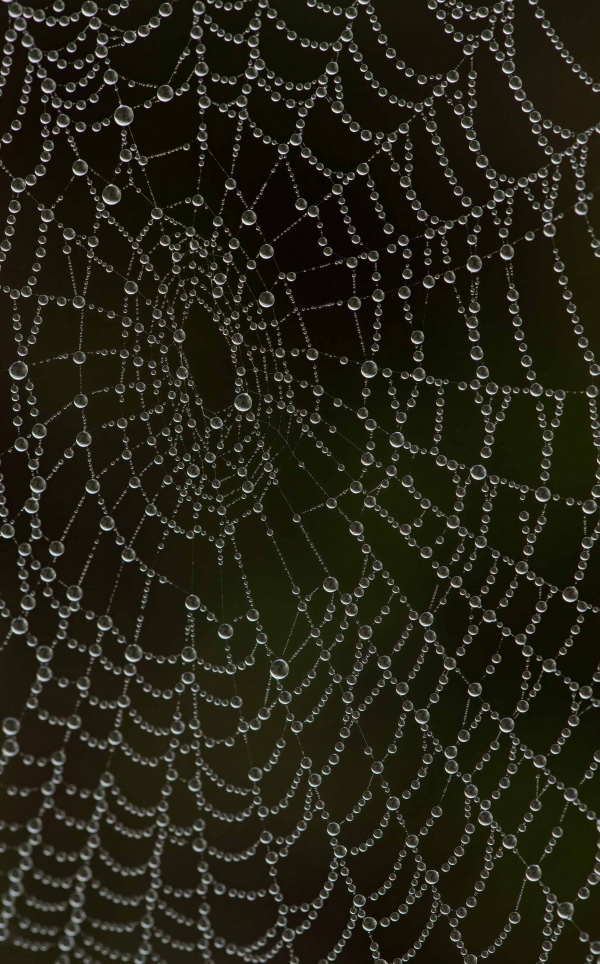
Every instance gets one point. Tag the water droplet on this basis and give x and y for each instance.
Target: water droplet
(123, 116)
(11, 726)
(243, 402)
(565, 910)
(18, 370)
(267, 299)
(369, 369)
(279, 669)
(111, 194)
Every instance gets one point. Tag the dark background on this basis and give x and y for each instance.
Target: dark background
(191, 565)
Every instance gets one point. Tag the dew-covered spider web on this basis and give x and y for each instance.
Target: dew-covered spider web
(299, 450)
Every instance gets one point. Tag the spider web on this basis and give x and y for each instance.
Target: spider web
(299, 494)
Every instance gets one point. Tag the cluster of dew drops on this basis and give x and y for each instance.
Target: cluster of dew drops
(226, 465)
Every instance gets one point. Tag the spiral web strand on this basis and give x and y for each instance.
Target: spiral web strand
(276, 595)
